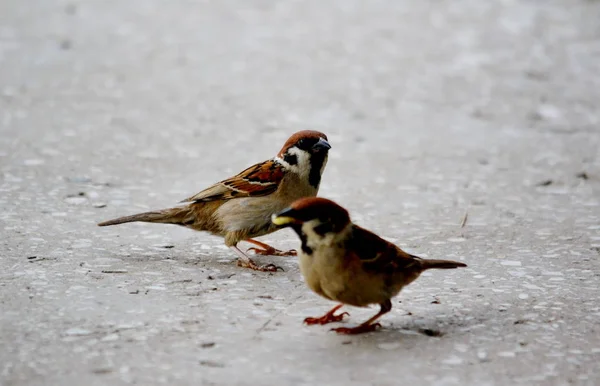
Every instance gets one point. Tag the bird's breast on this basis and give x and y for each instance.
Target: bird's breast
(249, 213)
(312, 274)
(333, 275)
(323, 272)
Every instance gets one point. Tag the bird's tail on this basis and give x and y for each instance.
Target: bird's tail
(440, 264)
(179, 216)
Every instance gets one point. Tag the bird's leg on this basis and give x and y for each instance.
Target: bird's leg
(246, 262)
(367, 326)
(265, 249)
(328, 317)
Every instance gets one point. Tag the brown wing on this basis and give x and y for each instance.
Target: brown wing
(258, 180)
(379, 255)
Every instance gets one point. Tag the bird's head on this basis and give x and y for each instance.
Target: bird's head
(305, 153)
(315, 220)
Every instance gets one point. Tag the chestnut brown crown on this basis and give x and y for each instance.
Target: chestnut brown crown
(313, 208)
(308, 140)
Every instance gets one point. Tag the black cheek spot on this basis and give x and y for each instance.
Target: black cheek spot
(291, 159)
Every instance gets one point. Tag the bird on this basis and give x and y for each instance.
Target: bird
(348, 264)
(239, 208)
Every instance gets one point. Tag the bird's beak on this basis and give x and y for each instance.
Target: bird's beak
(322, 145)
(285, 218)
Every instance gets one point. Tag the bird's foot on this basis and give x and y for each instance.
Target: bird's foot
(357, 330)
(270, 251)
(252, 265)
(327, 318)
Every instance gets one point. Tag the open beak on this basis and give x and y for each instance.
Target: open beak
(322, 145)
(285, 218)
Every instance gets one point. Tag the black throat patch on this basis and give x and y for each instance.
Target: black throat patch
(316, 163)
(305, 248)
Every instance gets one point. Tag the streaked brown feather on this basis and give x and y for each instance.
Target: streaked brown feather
(378, 255)
(257, 180)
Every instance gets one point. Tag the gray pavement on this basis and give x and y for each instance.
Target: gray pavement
(435, 110)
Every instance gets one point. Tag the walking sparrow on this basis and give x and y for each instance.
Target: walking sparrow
(348, 264)
(240, 208)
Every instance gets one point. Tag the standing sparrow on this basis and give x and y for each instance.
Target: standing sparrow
(348, 264)
(240, 208)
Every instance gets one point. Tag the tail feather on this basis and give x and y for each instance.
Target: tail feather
(440, 264)
(164, 216)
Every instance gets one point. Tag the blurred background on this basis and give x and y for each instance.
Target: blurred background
(439, 113)
(149, 87)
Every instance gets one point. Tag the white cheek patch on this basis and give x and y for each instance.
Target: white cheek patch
(302, 167)
(315, 240)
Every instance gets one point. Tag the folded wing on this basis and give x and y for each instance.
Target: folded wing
(258, 180)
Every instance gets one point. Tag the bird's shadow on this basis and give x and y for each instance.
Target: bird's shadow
(216, 258)
(408, 333)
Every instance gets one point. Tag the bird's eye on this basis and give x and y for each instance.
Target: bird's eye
(301, 142)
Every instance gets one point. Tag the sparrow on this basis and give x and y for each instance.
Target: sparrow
(348, 264)
(239, 208)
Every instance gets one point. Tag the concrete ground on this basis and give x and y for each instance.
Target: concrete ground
(437, 111)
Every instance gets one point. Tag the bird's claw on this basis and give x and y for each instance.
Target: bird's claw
(272, 251)
(357, 330)
(272, 268)
(327, 318)
(263, 268)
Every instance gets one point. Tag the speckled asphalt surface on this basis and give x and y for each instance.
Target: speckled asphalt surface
(435, 110)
